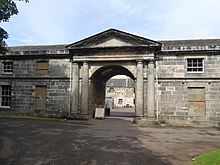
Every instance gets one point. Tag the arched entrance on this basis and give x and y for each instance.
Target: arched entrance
(120, 97)
(98, 58)
(100, 78)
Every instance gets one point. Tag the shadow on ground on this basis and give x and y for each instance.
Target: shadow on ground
(96, 142)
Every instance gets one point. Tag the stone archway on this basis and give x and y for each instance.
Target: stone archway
(99, 79)
(98, 58)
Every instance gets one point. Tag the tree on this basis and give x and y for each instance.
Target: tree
(8, 8)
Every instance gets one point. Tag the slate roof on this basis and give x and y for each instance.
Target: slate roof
(167, 45)
(191, 44)
(38, 49)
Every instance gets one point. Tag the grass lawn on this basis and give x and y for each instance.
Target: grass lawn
(209, 158)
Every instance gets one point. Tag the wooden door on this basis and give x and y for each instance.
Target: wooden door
(196, 100)
(40, 97)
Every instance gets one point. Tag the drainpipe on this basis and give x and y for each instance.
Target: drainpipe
(70, 89)
(157, 92)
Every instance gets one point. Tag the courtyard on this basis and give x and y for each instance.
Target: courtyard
(112, 141)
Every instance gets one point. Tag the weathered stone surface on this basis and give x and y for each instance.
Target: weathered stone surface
(80, 89)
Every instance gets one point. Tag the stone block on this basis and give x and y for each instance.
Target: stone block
(214, 119)
(146, 121)
(162, 88)
(170, 88)
(179, 75)
(181, 113)
(167, 112)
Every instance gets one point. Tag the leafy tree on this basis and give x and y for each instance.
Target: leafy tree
(8, 8)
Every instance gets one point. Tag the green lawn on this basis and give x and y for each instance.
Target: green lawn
(209, 158)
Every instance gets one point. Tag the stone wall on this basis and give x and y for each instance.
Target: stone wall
(174, 86)
(24, 81)
(125, 93)
(174, 83)
(27, 68)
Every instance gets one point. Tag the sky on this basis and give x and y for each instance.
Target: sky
(49, 22)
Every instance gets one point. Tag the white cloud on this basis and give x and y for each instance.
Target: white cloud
(66, 21)
(192, 19)
(26, 41)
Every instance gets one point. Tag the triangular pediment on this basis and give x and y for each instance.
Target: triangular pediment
(112, 38)
(113, 42)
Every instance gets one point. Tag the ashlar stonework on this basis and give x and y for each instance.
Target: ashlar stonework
(175, 81)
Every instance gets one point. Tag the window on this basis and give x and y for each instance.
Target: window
(42, 67)
(6, 95)
(120, 101)
(195, 65)
(7, 67)
(111, 90)
(40, 97)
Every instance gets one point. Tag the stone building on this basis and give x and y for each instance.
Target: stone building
(176, 80)
(121, 91)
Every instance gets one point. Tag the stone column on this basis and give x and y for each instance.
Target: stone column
(85, 88)
(75, 87)
(90, 95)
(139, 101)
(151, 90)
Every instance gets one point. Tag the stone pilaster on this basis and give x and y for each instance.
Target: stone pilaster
(75, 87)
(85, 88)
(139, 101)
(151, 90)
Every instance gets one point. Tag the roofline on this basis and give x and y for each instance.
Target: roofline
(164, 52)
(193, 39)
(37, 45)
(111, 29)
(31, 56)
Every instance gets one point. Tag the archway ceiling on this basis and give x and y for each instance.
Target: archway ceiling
(105, 73)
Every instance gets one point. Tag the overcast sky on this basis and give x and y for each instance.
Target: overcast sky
(43, 22)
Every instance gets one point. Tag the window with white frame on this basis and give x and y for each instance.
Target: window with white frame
(195, 65)
(6, 95)
(7, 67)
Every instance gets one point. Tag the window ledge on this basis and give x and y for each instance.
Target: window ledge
(195, 72)
(7, 73)
(5, 107)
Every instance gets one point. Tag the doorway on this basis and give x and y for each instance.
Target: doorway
(196, 101)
